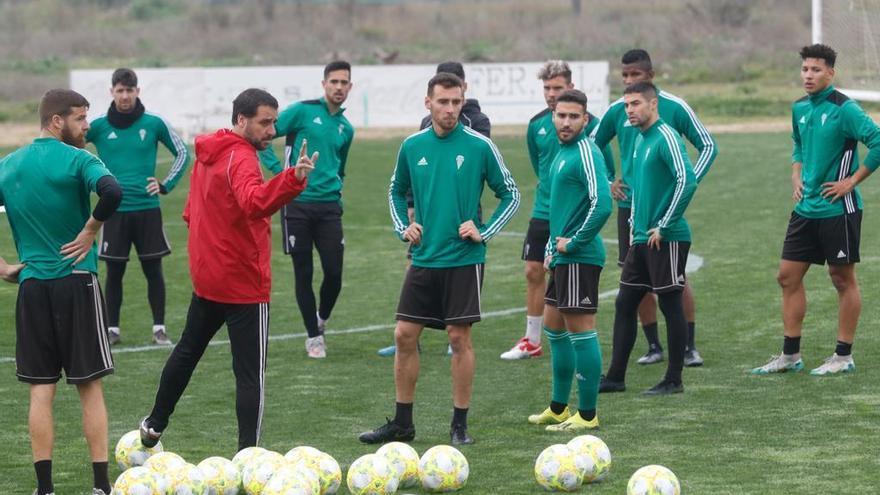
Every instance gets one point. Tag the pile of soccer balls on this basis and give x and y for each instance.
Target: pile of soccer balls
(397, 465)
(253, 471)
(586, 459)
(302, 471)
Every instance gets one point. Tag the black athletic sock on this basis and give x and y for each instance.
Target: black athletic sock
(303, 271)
(625, 330)
(459, 416)
(587, 414)
(155, 288)
(44, 477)
(102, 480)
(692, 330)
(843, 349)
(557, 407)
(676, 333)
(791, 345)
(653, 339)
(113, 291)
(403, 414)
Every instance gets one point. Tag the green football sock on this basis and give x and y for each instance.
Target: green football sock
(588, 366)
(562, 362)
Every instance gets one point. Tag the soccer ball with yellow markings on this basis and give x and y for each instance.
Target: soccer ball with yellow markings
(136, 481)
(371, 475)
(598, 456)
(405, 460)
(653, 480)
(259, 470)
(560, 468)
(187, 480)
(443, 468)
(131, 453)
(221, 476)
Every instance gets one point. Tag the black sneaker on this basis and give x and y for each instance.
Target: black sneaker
(149, 435)
(665, 387)
(609, 386)
(459, 435)
(389, 432)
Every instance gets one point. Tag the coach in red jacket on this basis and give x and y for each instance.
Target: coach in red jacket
(228, 212)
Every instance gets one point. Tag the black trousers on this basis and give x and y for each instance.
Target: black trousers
(248, 326)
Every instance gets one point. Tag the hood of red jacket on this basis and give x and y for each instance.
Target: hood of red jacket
(210, 147)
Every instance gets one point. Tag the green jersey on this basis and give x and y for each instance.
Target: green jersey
(447, 175)
(663, 184)
(46, 188)
(677, 114)
(543, 145)
(328, 134)
(826, 128)
(580, 203)
(130, 155)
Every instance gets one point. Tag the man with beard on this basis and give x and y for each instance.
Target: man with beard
(446, 166)
(228, 212)
(59, 314)
(315, 217)
(126, 139)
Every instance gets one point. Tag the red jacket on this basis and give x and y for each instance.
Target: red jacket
(228, 212)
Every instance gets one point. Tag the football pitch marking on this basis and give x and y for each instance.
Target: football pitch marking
(694, 263)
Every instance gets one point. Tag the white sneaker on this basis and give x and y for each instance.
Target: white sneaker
(316, 348)
(835, 365)
(781, 364)
(160, 337)
(523, 349)
(449, 350)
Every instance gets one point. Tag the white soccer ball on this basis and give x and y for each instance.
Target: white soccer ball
(130, 452)
(653, 480)
(259, 470)
(245, 455)
(443, 468)
(187, 480)
(303, 452)
(136, 481)
(221, 476)
(371, 475)
(599, 457)
(557, 468)
(405, 460)
(290, 480)
(329, 473)
(164, 462)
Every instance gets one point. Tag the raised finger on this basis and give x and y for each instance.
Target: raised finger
(302, 148)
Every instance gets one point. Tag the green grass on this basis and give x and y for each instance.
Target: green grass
(728, 433)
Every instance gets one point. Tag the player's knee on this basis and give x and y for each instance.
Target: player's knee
(534, 273)
(405, 340)
(459, 339)
(842, 281)
(787, 280)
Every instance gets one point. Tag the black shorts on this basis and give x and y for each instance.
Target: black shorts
(59, 324)
(142, 228)
(437, 297)
(305, 225)
(574, 288)
(536, 240)
(656, 270)
(817, 240)
(623, 234)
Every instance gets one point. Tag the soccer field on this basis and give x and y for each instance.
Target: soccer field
(729, 433)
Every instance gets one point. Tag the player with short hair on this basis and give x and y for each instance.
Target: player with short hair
(580, 204)
(126, 139)
(825, 225)
(663, 183)
(446, 166)
(543, 145)
(59, 315)
(314, 218)
(471, 116)
(228, 212)
(636, 66)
